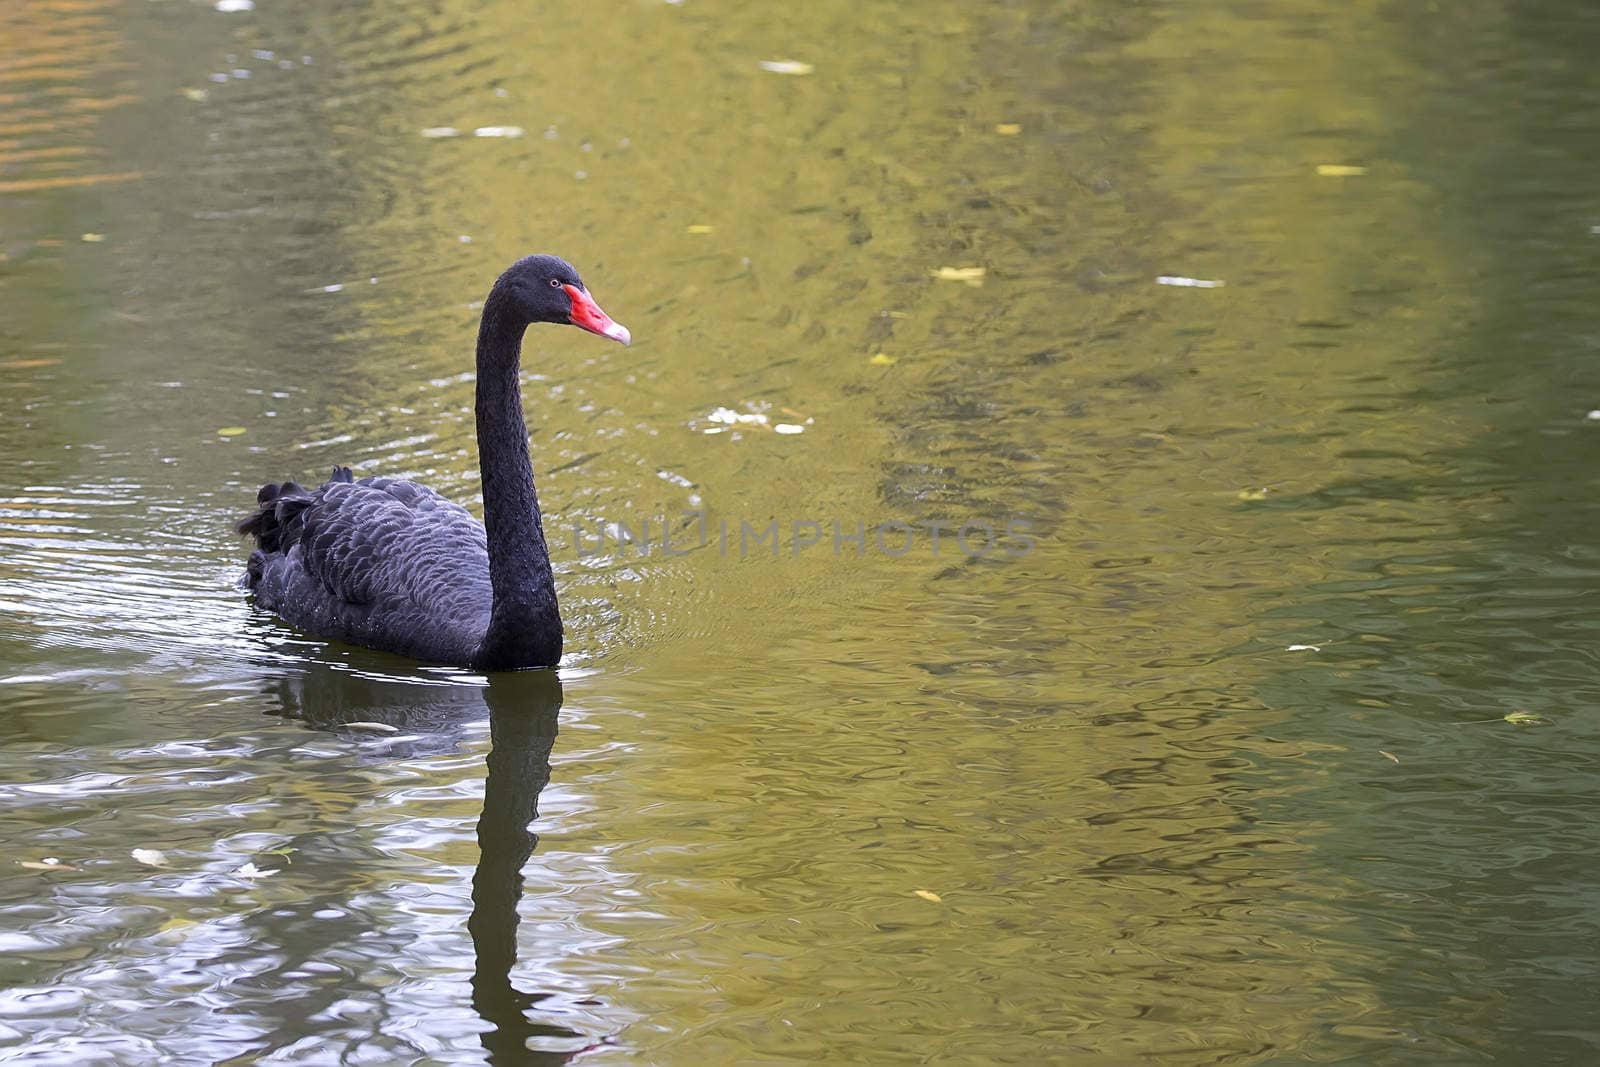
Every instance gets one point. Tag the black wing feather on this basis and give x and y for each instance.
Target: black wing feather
(380, 562)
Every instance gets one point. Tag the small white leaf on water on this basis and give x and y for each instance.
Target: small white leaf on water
(1593, 416)
(229, 7)
(730, 417)
(150, 857)
(788, 427)
(250, 870)
(374, 727)
(786, 66)
(434, 132)
(498, 131)
(1304, 648)
(1191, 283)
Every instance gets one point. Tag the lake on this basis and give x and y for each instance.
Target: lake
(1090, 557)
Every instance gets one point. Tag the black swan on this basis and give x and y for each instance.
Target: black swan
(392, 565)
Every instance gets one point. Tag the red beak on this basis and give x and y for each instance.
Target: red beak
(586, 315)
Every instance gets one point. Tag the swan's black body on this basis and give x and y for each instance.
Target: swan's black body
(392, 565)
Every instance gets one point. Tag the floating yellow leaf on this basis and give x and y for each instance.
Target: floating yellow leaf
(20, 364)
(1388, 755)
(701, 227)
(972, 276)
(94, 238)
(1008, 129)
(230, 431)
(49, 863)
(1339, 170)
(1252, 494)
(150, 857)
(926, 894)
(786, 66)
(197, 95)
(372, 727)
(882, 360)
(1524, 718)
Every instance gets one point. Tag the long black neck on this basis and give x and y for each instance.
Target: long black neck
(525, 625)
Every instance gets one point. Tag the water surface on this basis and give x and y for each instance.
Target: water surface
(1213, 769)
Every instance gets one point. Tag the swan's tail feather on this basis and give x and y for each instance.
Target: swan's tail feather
(275, 524)
(279, 520)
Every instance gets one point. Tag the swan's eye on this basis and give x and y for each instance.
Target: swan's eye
(555, 283)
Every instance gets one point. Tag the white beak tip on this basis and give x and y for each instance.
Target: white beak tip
(618, 332)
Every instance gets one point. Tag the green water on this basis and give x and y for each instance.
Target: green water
(1072, 799)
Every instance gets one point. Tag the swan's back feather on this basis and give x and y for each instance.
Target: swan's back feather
(380, 562)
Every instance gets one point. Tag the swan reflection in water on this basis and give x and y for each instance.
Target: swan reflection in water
(523, 709)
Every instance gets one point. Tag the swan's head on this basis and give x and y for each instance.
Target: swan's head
(547, 289)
